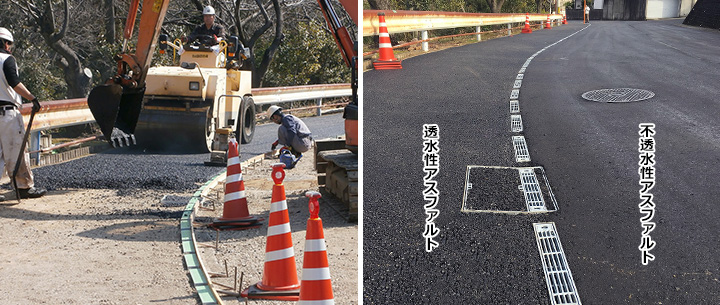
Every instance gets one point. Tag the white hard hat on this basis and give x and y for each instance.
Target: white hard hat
(272, 110)
(5, 34)
(209, 10)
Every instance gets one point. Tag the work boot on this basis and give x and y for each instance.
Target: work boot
(32, 192)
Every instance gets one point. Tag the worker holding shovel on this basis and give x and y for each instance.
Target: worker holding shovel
(12, 136)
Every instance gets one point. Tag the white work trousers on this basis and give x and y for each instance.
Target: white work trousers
(12, 133)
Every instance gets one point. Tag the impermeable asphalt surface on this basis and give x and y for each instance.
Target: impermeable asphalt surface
(131, 168)
(589, 151)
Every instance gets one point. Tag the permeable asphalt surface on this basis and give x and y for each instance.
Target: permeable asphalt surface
(131, 168)
(589, 151)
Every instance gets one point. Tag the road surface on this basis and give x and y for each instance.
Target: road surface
(588, 150)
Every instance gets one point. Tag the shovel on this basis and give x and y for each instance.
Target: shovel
(21, 154)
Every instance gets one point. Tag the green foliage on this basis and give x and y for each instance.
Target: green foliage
(308, 55)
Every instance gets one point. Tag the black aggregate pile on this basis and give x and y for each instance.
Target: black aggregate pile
(128, 168)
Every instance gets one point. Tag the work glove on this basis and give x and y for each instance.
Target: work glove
(274, 145)
(36, 105)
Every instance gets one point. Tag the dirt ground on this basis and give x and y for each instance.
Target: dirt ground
(85, 246)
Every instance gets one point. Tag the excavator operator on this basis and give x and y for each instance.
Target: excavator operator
(209, 33)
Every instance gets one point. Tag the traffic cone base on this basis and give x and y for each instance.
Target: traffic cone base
(253, 292)
(386, 65)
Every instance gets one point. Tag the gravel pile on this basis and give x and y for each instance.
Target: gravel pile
(128, 168)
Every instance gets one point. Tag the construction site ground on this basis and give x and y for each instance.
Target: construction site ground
(103, 246)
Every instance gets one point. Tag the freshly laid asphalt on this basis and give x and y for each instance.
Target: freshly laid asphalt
(589, 151)
(131, 168)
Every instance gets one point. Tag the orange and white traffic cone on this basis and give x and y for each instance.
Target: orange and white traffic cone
(387, 59)
(280, 280)
(547, 24)
(564, 18)
(235, 208)
(527, 29)
(315, 288)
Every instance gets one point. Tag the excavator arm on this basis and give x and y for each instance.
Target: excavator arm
(116, 104)
(349, 51)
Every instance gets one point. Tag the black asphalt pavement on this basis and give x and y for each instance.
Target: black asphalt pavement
(132, 168)
(589, 151)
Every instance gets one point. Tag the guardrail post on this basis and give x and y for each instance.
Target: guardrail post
(319, 107)
(425, 46)
(509, 29)
(478, 29)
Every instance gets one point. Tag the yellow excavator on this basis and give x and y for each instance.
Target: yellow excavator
(191, 107)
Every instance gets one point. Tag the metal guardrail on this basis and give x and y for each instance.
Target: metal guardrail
(72, 112)
(63, 113)
(412, 21)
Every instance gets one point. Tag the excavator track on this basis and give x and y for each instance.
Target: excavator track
(163, 126)
(337, 170)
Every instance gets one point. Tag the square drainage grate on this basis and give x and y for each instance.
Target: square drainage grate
(514, 106)
(521, 150)
(516, 123)
(558, 277)
(520, 76)
(512, 190)
(514, 94)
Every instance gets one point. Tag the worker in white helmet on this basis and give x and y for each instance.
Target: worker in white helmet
(292, 133)
(208, 32)
(11, 123)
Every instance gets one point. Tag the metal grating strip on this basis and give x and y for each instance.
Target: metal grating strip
(531, 189)
(514, 94)
(516, 123)
(514, 106)
(517, 84)
(521, 150)
(558, 277)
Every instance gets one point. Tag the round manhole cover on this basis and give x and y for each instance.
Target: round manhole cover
(622, 95)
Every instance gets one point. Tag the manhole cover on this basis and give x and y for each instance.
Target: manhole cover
(622, 95)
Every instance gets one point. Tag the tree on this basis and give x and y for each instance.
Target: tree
(495, 5)
(41, 13)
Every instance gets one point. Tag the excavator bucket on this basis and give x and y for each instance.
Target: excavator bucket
(116, 110)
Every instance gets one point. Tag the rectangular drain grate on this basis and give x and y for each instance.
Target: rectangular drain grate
(516, 123)
(509, 190)
(514, 94)
(531, 189)
(517, 84)
(521, 150)
(561, 285)
(514, 106)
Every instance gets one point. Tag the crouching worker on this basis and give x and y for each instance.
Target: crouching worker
(292, 133)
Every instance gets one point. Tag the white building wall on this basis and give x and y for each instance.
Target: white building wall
(598, 4)
(663, 9)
